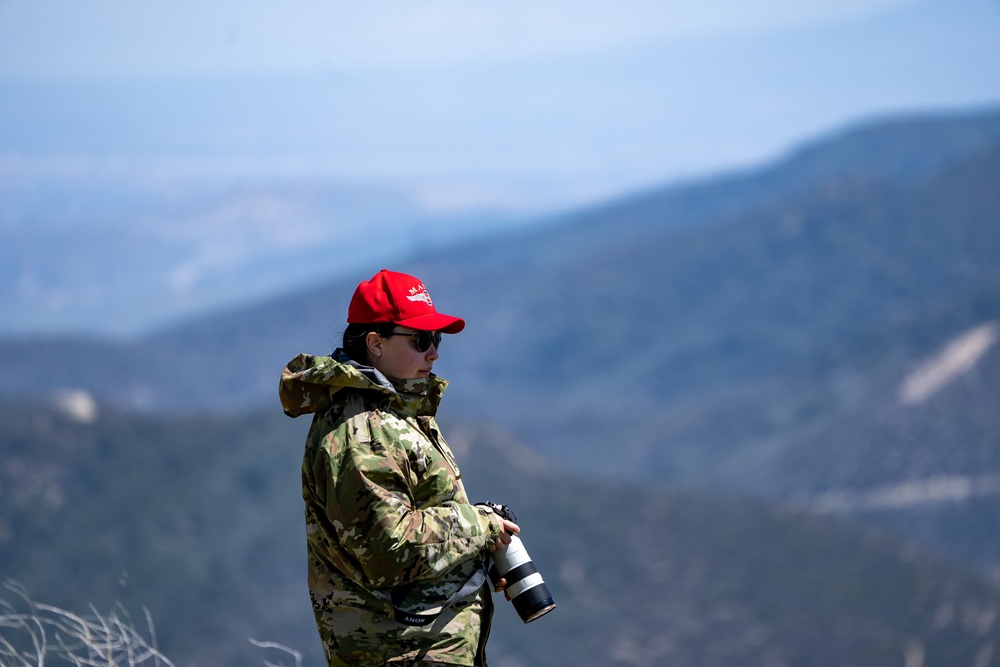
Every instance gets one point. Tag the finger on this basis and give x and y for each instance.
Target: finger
(511, 527)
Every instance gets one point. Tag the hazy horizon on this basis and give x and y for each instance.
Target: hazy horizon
(524, 108)
(176, 147)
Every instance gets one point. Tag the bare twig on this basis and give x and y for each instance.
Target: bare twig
(281, 647)
(43, 633)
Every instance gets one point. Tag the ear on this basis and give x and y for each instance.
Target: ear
(373, 342)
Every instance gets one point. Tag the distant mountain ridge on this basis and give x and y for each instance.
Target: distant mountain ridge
(899, 149)
(709, 336)
(893, 151)
(108, 255)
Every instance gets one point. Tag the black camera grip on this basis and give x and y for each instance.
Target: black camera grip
(503, 511)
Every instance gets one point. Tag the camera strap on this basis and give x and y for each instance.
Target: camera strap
(426, 618)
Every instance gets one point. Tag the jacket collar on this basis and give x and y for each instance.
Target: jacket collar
(418, 396)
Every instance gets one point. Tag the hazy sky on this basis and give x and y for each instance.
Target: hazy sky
(516, 102)
(116, 38)
(183, 153)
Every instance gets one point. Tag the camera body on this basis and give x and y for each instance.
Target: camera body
(525, 586)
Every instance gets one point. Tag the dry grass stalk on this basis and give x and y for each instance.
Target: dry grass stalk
(40, 634)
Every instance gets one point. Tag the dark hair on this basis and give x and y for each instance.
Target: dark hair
(354, 344)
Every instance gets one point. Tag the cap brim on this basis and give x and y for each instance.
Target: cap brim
(434, 322)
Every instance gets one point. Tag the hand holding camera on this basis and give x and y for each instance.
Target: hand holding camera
(513, 571)
(509, 528)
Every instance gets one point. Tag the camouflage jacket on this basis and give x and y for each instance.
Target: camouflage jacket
(385, 511)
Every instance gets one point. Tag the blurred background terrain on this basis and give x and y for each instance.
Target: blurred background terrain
(730, 276)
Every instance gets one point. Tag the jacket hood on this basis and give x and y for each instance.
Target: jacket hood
(309, 383)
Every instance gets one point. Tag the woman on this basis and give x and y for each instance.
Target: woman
(395, 548)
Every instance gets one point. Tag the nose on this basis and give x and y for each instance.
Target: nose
(432, 353)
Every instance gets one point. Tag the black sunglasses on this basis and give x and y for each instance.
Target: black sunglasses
(422, 339)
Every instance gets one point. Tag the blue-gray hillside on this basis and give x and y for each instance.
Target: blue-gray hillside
(805, 305)
(199, 520)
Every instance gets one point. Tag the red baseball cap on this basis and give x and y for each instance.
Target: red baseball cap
(396, 297)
